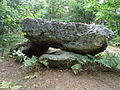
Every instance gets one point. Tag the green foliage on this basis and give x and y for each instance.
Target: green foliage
(76, 68)
(28, 62)
(81, 62)
(31, 63)
(6, 40)
(55, 8)
(106, 12)
(29, 77)
(8, 19)
(78, 12)
(12, 12)
(108, 60)
(44, 62)
(115, 41)
(20, 56)
(1, 59)
(9, 85)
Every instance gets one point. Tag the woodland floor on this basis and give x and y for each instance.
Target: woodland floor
(55, 79)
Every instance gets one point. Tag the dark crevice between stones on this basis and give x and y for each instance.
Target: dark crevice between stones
(39, 48)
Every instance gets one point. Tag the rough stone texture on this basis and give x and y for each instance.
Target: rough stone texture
(61, 59)
(64, 59)
(75, 37)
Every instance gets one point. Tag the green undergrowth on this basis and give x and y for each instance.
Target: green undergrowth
(31, 63)
(7, 40)
(105, 59)
(10, 85)
(110, 61)
(115, 41)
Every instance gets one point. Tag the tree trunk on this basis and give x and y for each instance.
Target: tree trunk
(2, 53)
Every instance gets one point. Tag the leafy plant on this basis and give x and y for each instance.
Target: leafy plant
(9, 85)
(106, 13)
(28, 62)
(77, 68)
(35, 75)
(31, 63)
(106, 59)
(110, 60)
(20, 56)
(7, 40)
(115, 41)
(1, 59)
(78, 12)
(44, 62)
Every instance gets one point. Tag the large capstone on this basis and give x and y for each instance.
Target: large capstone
(74, 37)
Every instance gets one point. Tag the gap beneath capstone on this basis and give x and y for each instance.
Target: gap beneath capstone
(39, 48)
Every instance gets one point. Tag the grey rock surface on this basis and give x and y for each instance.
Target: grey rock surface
(61, 59)
(64, 59)
(74, 37)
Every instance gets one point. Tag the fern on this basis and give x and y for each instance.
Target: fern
(109, 60)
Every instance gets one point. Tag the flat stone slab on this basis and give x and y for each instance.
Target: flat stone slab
(61, 59)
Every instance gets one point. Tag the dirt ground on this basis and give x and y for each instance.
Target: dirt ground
(55, 79)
